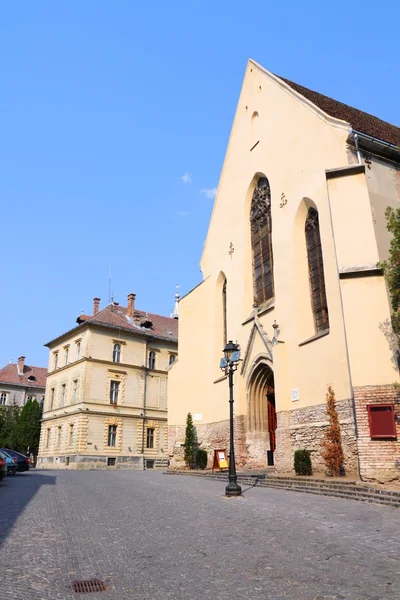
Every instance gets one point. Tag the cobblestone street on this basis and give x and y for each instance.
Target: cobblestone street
(151, 537)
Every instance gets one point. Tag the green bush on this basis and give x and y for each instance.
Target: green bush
(201, 458)
(302, 462)
(189, 442)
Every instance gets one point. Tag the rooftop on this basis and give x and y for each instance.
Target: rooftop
(115, 315)
(360, 121)
(118, 317)
(32, 377)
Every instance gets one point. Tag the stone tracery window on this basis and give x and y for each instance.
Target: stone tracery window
(316, 271)
(261, 242)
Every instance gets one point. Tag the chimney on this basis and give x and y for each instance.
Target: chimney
(96, 302)
(21, 364)
(131, 304)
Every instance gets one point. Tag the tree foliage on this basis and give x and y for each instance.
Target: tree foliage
(332, 442)
(9, 416)
(28, 427)
(20, 428)
(391, 266)
(189, 441)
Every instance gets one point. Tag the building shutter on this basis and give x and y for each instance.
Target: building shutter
(382, 422)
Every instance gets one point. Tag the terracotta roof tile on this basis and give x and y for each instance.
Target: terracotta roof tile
(116, 316)
(359, 120)
(9, 374)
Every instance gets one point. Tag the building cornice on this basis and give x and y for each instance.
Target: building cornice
(129, 332)
(107, 413)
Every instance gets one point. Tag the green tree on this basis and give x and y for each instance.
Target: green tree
(189, 441)
(28, 428)
(332, 443)
(391, 266)
(9, 416)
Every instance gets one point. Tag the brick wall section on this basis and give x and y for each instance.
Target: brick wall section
(379, 459)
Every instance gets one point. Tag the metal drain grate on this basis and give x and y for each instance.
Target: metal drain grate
(88, 586)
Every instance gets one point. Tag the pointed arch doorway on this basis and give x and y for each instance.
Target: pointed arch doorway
(262, 410)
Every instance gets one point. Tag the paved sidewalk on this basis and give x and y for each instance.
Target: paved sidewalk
(156, 537)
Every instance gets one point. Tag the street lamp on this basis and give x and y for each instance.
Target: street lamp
(229, 364)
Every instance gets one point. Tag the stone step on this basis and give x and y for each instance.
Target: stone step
(340, 489)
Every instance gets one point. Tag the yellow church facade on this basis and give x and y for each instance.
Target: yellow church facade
(106, 402)
(291, 273)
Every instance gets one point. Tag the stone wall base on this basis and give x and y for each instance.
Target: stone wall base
(296, 429)
(379, 458)
(85, 462)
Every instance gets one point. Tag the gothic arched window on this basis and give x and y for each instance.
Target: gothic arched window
(261, 242)
(316, 271)
(224, 317)
(117, 353)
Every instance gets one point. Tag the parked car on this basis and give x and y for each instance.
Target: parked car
(3, 467)
(11, 462)
(22, 460)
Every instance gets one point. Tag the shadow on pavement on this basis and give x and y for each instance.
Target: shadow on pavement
(15, 493)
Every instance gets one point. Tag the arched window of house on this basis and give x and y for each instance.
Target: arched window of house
(224, 317)
(261, 242)
(172, 358)
(316, 271)
(152, 360)
(117, 353)
(78, 350)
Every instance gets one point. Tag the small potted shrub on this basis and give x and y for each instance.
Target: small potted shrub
(201, 458)
(302, 462)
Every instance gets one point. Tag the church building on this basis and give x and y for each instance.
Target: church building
(291, 272)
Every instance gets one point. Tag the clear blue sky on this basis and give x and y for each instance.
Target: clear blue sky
(106, 106)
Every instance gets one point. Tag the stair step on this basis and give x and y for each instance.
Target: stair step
(339, 489)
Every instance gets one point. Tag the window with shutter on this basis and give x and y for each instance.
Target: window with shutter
(382, 423)
(261, 241)
(316, 271)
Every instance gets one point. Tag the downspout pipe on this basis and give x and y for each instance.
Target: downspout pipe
(145, 369)
(357, 147)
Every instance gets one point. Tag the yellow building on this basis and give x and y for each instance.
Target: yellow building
(106, 391)
(291, 272)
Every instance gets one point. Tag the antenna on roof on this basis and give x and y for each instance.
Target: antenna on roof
(175, 311)
(109, 284)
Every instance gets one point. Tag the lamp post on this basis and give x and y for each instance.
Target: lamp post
(229, 364)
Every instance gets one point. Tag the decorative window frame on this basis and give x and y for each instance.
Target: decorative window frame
(53, 396)
(78, 342)
(120, 376)
(75, 400)
(118, 442)
(66, 349)
(63, 385)
(119, 352)
(149, 424)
